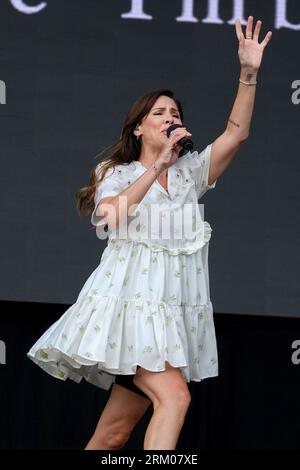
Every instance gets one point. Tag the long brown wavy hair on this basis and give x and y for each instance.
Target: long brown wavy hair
(124, 151)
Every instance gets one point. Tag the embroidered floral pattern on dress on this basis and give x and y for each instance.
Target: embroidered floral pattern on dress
(148, 300)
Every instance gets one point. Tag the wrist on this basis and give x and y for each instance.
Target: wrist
(157, 167)
(248, 74)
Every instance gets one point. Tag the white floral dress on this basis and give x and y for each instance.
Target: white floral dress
(148, 301)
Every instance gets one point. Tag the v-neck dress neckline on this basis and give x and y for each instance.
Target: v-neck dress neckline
(167, 192)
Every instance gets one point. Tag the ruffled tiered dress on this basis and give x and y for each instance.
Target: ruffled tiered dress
(148, 301)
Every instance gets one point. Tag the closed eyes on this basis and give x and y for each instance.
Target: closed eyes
(174, 115)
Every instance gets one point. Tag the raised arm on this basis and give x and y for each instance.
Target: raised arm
(238, 126)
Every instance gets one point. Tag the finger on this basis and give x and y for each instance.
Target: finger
(238, 29)
(179, 131)
(180, 135)
(177, 147)
(267, 39)
(249, 27)
(257, 30)
(176, 130)
(242, 41)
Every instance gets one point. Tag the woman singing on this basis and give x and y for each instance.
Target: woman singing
(142, 325)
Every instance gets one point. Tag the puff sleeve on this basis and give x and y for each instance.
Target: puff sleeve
(114, 182)
(198, 165)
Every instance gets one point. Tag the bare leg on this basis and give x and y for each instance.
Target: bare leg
(170, 396)
(122, 412)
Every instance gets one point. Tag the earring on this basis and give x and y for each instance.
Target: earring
(136, 128)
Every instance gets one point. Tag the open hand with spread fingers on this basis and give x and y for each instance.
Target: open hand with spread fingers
(250, 50)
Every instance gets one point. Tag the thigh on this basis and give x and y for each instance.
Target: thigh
(126, 381)
(123, 409)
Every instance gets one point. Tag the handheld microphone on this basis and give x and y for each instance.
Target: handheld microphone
(186, 143)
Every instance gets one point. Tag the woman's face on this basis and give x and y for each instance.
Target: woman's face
(153, 128)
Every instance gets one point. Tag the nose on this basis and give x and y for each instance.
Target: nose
(169, 120)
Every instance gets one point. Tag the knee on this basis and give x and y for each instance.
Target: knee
(113, 439)
(180, 399)
(174, 405)
(117, 439)
(177, 399)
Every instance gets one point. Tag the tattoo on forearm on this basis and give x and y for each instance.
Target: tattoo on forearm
(249, 76)
(234, 123)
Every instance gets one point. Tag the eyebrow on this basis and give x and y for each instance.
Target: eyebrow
(172, 109)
